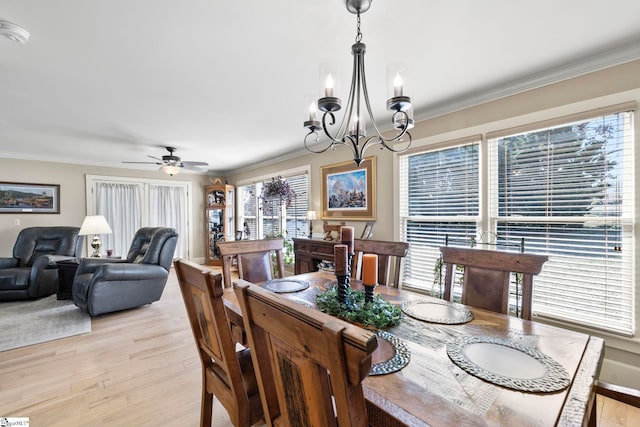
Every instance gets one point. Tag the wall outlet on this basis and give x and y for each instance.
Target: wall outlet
(16, 222)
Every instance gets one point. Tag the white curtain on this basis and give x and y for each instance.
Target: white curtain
(168, 208)
(120, 204)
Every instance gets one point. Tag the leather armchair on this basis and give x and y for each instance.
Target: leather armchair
(32, 271)
(107, 285)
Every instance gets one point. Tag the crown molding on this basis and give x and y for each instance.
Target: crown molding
(605, 59)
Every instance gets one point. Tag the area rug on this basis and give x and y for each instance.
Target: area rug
(31, 322)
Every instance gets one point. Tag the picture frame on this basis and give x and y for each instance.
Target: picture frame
(28, 198)
(367, 232)
(349, 191)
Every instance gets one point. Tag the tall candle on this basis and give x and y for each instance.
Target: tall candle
(369, 269)
(346, 238)
(340, 259)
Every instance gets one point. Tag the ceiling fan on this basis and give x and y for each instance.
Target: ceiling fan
(171, 164)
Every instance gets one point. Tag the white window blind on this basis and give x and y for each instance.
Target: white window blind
(439, 196)
(567, 190)
(248, 211)
(565, 187)
(296, 214)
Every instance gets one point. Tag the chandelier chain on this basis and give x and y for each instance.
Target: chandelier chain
(359, 34)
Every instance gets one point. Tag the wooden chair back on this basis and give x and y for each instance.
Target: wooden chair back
(390, 258)
(487, 276)
(253, 258)
(309, 365)
(227, 374)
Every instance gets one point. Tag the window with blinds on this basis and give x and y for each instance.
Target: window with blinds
(261, 222)
(439, 193)
(565, 187)
(567, 190)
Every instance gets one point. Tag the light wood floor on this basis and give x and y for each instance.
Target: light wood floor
(135, 368)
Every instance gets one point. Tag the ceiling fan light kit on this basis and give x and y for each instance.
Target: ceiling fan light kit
(170, 169)
(13, 32)
(352, 130)
(172, 164)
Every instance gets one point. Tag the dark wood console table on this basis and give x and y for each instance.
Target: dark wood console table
(66, 273)
(309, 252)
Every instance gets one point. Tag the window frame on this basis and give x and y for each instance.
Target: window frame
(488, 221)
(256, 182)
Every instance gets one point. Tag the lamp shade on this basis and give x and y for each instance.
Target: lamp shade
(94, 224)
(311, 214)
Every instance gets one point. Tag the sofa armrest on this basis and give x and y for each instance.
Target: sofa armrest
(129, 272)
(51, 260)
(44, 262)
(8, 262)
(91, 265)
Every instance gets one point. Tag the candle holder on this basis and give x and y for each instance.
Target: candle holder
(343, 285)
(344, 282)
(368, 292)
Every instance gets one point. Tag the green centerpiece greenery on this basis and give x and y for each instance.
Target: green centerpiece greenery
(377, 313)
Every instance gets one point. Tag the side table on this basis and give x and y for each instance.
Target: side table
(66, 273)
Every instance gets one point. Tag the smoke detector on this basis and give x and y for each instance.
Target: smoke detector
(13, 32)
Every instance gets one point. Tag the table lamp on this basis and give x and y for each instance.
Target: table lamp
(311, 215)
(96, 225)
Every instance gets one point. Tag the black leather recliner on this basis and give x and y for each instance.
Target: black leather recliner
(106, 285)
(32, 271)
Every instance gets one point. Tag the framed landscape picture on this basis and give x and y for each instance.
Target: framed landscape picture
(23, 198)
(349, 191)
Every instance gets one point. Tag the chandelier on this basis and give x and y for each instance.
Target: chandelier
(352, 130)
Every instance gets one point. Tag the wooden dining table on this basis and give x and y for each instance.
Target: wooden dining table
(433, 390)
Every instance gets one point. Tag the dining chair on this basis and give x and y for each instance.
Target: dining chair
(625, 395)
(309, 365)
(227, 374)
(486, 277)
(254, 259)
(390, 258)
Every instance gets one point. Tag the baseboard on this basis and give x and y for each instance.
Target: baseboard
(621, 368)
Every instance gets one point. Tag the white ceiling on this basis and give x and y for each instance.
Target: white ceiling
(106, 81)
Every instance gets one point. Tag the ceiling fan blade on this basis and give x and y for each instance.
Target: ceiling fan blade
(187, 164)
(155, 158)
(194, 168)
(145, 163)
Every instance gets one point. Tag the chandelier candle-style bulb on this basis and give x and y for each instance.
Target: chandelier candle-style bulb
(397, 80)
(350, 130)
(313, 112)
(311, 120)
(397, 86)
(328, 87)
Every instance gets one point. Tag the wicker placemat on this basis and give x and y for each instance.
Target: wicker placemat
(443, 312)
(399, 360)
(508, 364)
